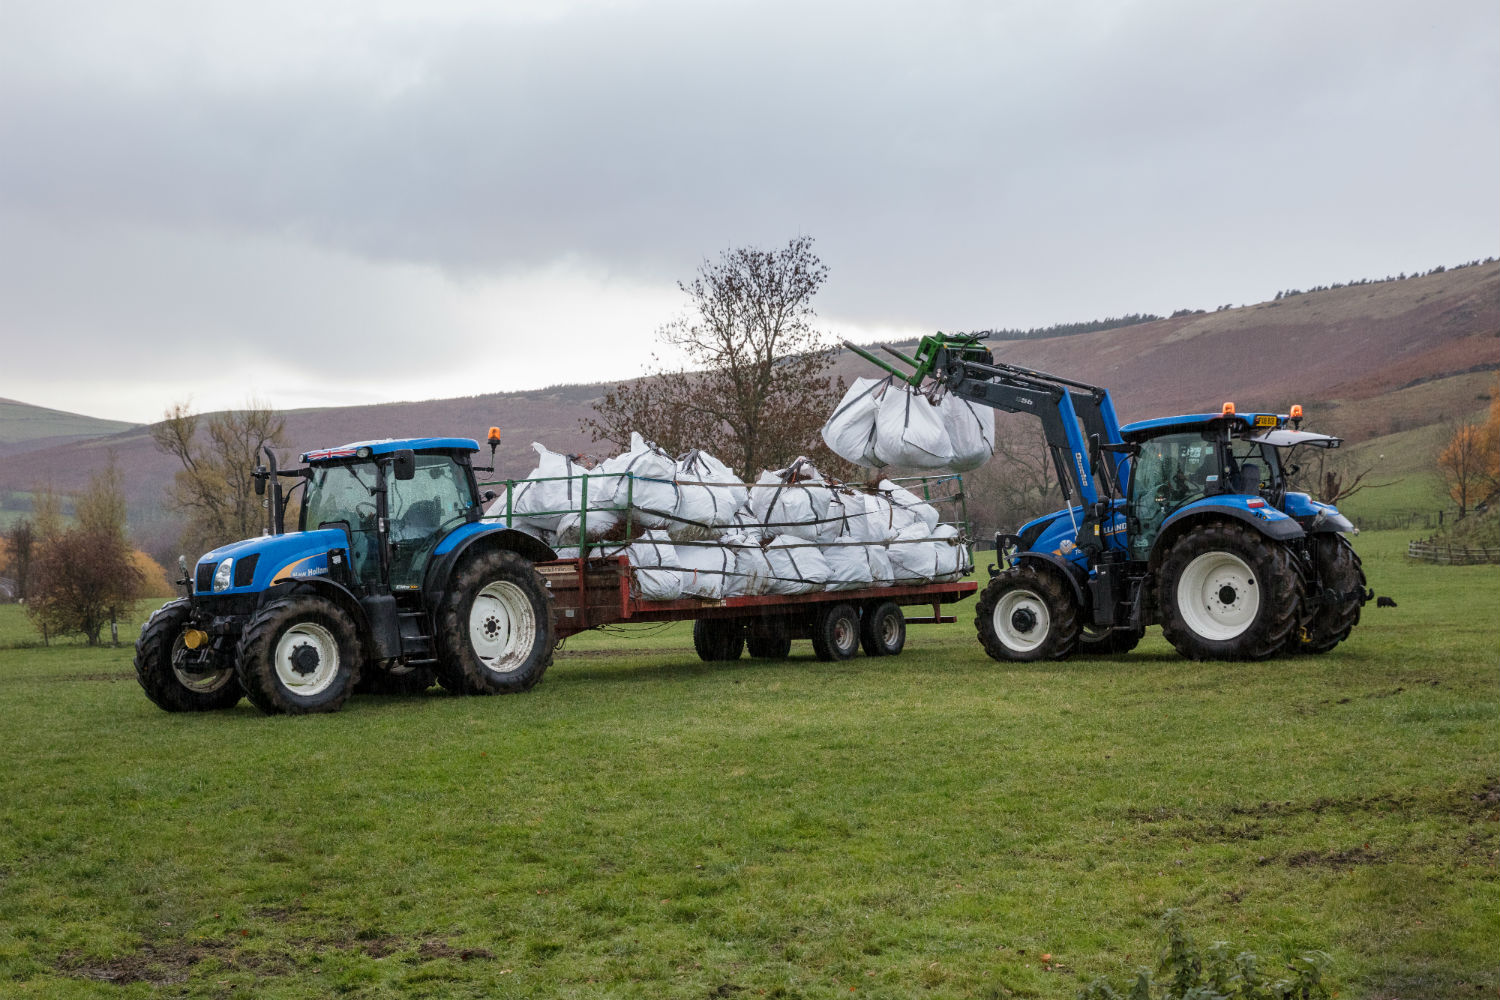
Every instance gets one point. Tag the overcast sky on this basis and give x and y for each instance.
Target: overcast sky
(327, 203)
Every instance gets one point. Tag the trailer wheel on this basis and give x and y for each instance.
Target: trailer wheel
(718, 639)
(299, 655)
(1228, 593)
(835, 633)
(160, 667)
(1094, 640)
(1027, 614)
(882, 632)
(399, 679)
(496, 630)
(1342, 578)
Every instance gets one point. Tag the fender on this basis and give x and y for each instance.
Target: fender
(1065, 569)
(469, 538)
(1266, 519)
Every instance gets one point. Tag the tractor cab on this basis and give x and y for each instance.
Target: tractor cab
(393, 500)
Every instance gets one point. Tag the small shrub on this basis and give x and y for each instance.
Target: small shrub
(1185, 972)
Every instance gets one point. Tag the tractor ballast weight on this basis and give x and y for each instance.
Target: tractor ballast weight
(1184, 521)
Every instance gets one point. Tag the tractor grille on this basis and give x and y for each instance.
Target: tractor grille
(205, 581)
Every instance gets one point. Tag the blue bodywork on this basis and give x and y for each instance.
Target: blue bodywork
(389, 445)
(296, 556)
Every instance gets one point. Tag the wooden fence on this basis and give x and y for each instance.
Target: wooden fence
(1452, 555)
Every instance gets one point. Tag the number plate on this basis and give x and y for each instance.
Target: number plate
(1265, 420)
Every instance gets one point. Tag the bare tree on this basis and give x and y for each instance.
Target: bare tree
(759, 386)
(20, 548)
(214, 487)
(85, 575)
(1019, 483)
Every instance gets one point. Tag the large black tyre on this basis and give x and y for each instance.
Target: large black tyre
(395, 680)
(299, 655)
(496, 633)
(1227, 592)
(718, 639)
(773, 642)
(835, 632)
(1335, 611)
(159, 668)
(882, 630)
(1098, 641)
(1027, 614)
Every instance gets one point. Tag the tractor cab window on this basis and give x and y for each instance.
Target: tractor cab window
(422, 510)
(1171, 472)
(1251, 467)
(341, 497)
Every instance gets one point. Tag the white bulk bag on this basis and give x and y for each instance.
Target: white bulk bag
(797, 567)
(706, 569)
(600, 524)
(708, 494)
(971, 432)
(849, 564)
(913, 555)
(791, 507)
(642, 479)
(536, 505)
(910, 432)
(909, 508)
(952, 556)
(881, 573)
(752, 570)
(653, 564)
(850, 431)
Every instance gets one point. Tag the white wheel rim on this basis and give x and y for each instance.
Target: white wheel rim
(1218, 596)
(845, 633)
(502, 626)
(1021, 620)
(198, 683)
(307, 659)
(890, 629)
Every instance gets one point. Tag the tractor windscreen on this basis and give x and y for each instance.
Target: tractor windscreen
(423, 509)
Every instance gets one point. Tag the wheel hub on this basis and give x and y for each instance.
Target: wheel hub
(304, 659)
(1227, 594)
(1024, 620)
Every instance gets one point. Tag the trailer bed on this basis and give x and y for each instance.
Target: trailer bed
(588, 593)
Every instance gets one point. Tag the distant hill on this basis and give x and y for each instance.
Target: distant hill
(1365, 360)
(24, 427)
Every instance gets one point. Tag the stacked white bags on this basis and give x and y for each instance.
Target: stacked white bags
(707, 536)
(882, 422)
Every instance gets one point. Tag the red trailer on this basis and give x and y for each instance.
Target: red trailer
(587, 593)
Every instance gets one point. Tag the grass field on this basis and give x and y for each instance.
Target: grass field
(644, 825)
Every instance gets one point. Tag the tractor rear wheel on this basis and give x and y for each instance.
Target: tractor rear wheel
(1027, 614)
(1336, 609)
(835, 633)
(495, 629)
(882, 631)
(299, 655)
(718, 639)
(163, 670)
(1227, 592)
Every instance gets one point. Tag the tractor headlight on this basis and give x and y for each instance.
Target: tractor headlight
(223, 575)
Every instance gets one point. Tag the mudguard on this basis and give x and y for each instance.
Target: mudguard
(1252, 510)
(1067, 570)
(463, 540)
(1315, 516)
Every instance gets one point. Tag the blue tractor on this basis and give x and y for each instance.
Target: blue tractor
(392, 580)
(1188, 522)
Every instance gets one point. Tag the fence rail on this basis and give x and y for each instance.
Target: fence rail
(1452, 555)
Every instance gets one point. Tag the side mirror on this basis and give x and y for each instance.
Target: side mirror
(404, 464)
(260, 480)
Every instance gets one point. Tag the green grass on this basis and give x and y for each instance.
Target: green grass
(645, 825)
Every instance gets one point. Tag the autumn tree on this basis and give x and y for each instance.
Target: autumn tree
(85, 575)
(215, 488)
(1469, 465)
(757, 385)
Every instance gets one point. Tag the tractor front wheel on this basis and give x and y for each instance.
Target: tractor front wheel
(1027, 614)
(495, 627)
(1094, 640)
(164, 668)
(299, 655)
(1227, 592)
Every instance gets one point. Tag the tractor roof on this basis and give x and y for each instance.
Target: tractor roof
(1143, 429)
(389, 445)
